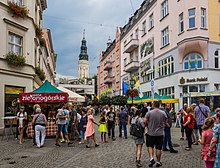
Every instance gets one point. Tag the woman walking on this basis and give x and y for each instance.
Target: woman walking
(216, 141)
(21, 116)
(90, 132)
(138, 141)
(82, 125)
(40, 123)
(207, 135)
(188, 124)
(102, 127)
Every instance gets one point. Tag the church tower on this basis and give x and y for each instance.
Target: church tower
(83, 65)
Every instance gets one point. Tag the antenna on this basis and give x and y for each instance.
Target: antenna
(84, 33)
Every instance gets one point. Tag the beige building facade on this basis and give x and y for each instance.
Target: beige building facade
(21, 35)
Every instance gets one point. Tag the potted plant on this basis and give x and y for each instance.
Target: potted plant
(39, 31)
(15, 9)
(14, 59)
(40, 73)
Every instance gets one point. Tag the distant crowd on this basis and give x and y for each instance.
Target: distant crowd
(150, 125)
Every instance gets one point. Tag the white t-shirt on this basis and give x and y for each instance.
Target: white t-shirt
(78, 117)
(21, 117)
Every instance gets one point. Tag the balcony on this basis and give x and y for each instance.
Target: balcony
(132, 66)
(131, 45)
(108, 79)
(108, 65)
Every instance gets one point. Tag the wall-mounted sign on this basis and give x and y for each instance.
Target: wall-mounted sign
(146, 67)
(147, 47)
(190, 80)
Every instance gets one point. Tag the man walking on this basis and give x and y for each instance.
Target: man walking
(155, 120)
(111, 124)
(201, 113)
(123, 121)
(61, 117)
(167, 131)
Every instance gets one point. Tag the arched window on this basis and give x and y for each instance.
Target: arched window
(193, 61)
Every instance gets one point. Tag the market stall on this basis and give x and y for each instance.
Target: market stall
(45, 95)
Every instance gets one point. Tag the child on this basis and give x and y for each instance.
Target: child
(207, 135)
(178, 119)
(102, 127)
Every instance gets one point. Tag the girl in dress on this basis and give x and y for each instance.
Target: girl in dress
(102, 127)
(207, 135)
(90, 132)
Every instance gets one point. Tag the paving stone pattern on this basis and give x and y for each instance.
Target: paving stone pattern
(115, 154)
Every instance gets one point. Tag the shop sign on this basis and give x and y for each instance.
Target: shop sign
(43, 97)
(13, 90)
(202, 79)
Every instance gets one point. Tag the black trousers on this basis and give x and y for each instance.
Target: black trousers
(111, 130)
(189, 136)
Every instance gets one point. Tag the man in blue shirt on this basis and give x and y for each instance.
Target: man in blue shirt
(123, 121)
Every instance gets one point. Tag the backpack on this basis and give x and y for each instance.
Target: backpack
(136, 129)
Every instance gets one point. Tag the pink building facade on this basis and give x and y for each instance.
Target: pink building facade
(109, 68)
(168, 42)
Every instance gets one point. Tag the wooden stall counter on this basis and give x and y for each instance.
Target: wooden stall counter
(51, 129)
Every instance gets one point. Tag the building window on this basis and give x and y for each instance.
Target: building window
(165, 37)
(136, 33)
(181, 23)
(164, 9)
(168, 91)
(148, 77)
(131, 36)
(15, 44)
(194, 88)
(217, 59)
(193, 61)
(18, 2)
(166, 66)
(203, 18)
(125, 61)
(144, 27)
(192, 18)
(151, 21)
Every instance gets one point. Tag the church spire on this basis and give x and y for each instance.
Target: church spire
(83, 52)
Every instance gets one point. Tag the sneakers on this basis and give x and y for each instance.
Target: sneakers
(57, 144)
(138, 163)
(159, 164)
(165, 149)
(113, 138)
(62, 140)
(70, 143)
(152, 162)
(96, 145)
(173, 151)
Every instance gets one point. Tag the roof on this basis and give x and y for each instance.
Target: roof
(47, 88)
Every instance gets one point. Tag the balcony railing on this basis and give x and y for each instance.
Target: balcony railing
(108, 65)
(131, 45)
(108, 79)
(132, 66)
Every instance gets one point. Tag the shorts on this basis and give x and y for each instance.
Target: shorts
(62, 127)
(152, 141)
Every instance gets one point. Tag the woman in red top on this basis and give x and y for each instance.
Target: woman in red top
(188, 125)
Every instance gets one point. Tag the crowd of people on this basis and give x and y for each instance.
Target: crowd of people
(147, 124)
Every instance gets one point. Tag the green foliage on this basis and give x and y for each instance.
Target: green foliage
(38, 31)
(40, 73)
(20, 11)
(42, 42)
(14, 59)
(115, 100)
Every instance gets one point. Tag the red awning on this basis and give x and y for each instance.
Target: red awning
(43, 97)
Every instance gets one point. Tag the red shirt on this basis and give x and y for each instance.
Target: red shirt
(191, 124)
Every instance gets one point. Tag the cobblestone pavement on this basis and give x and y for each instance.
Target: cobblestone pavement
(116, 154)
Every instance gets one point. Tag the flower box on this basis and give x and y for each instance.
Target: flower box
(14, 59)
(17, 10)
(40, 73)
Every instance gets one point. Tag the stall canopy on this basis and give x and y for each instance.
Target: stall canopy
(46, 93)
(73, 97)
(166, 99)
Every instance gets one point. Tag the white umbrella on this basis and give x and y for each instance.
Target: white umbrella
(73, 97)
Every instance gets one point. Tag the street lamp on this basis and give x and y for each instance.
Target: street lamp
(132, 82)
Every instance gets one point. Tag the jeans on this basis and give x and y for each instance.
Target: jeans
(40, 130)
(124, 127)
(178, 122)
(82, 134)
(195, 135)
(111, 130)
(189, 136)
(167, 139)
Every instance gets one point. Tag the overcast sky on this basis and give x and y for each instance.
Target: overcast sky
(68, 18)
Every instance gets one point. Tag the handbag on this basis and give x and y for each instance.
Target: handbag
(137, 130)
